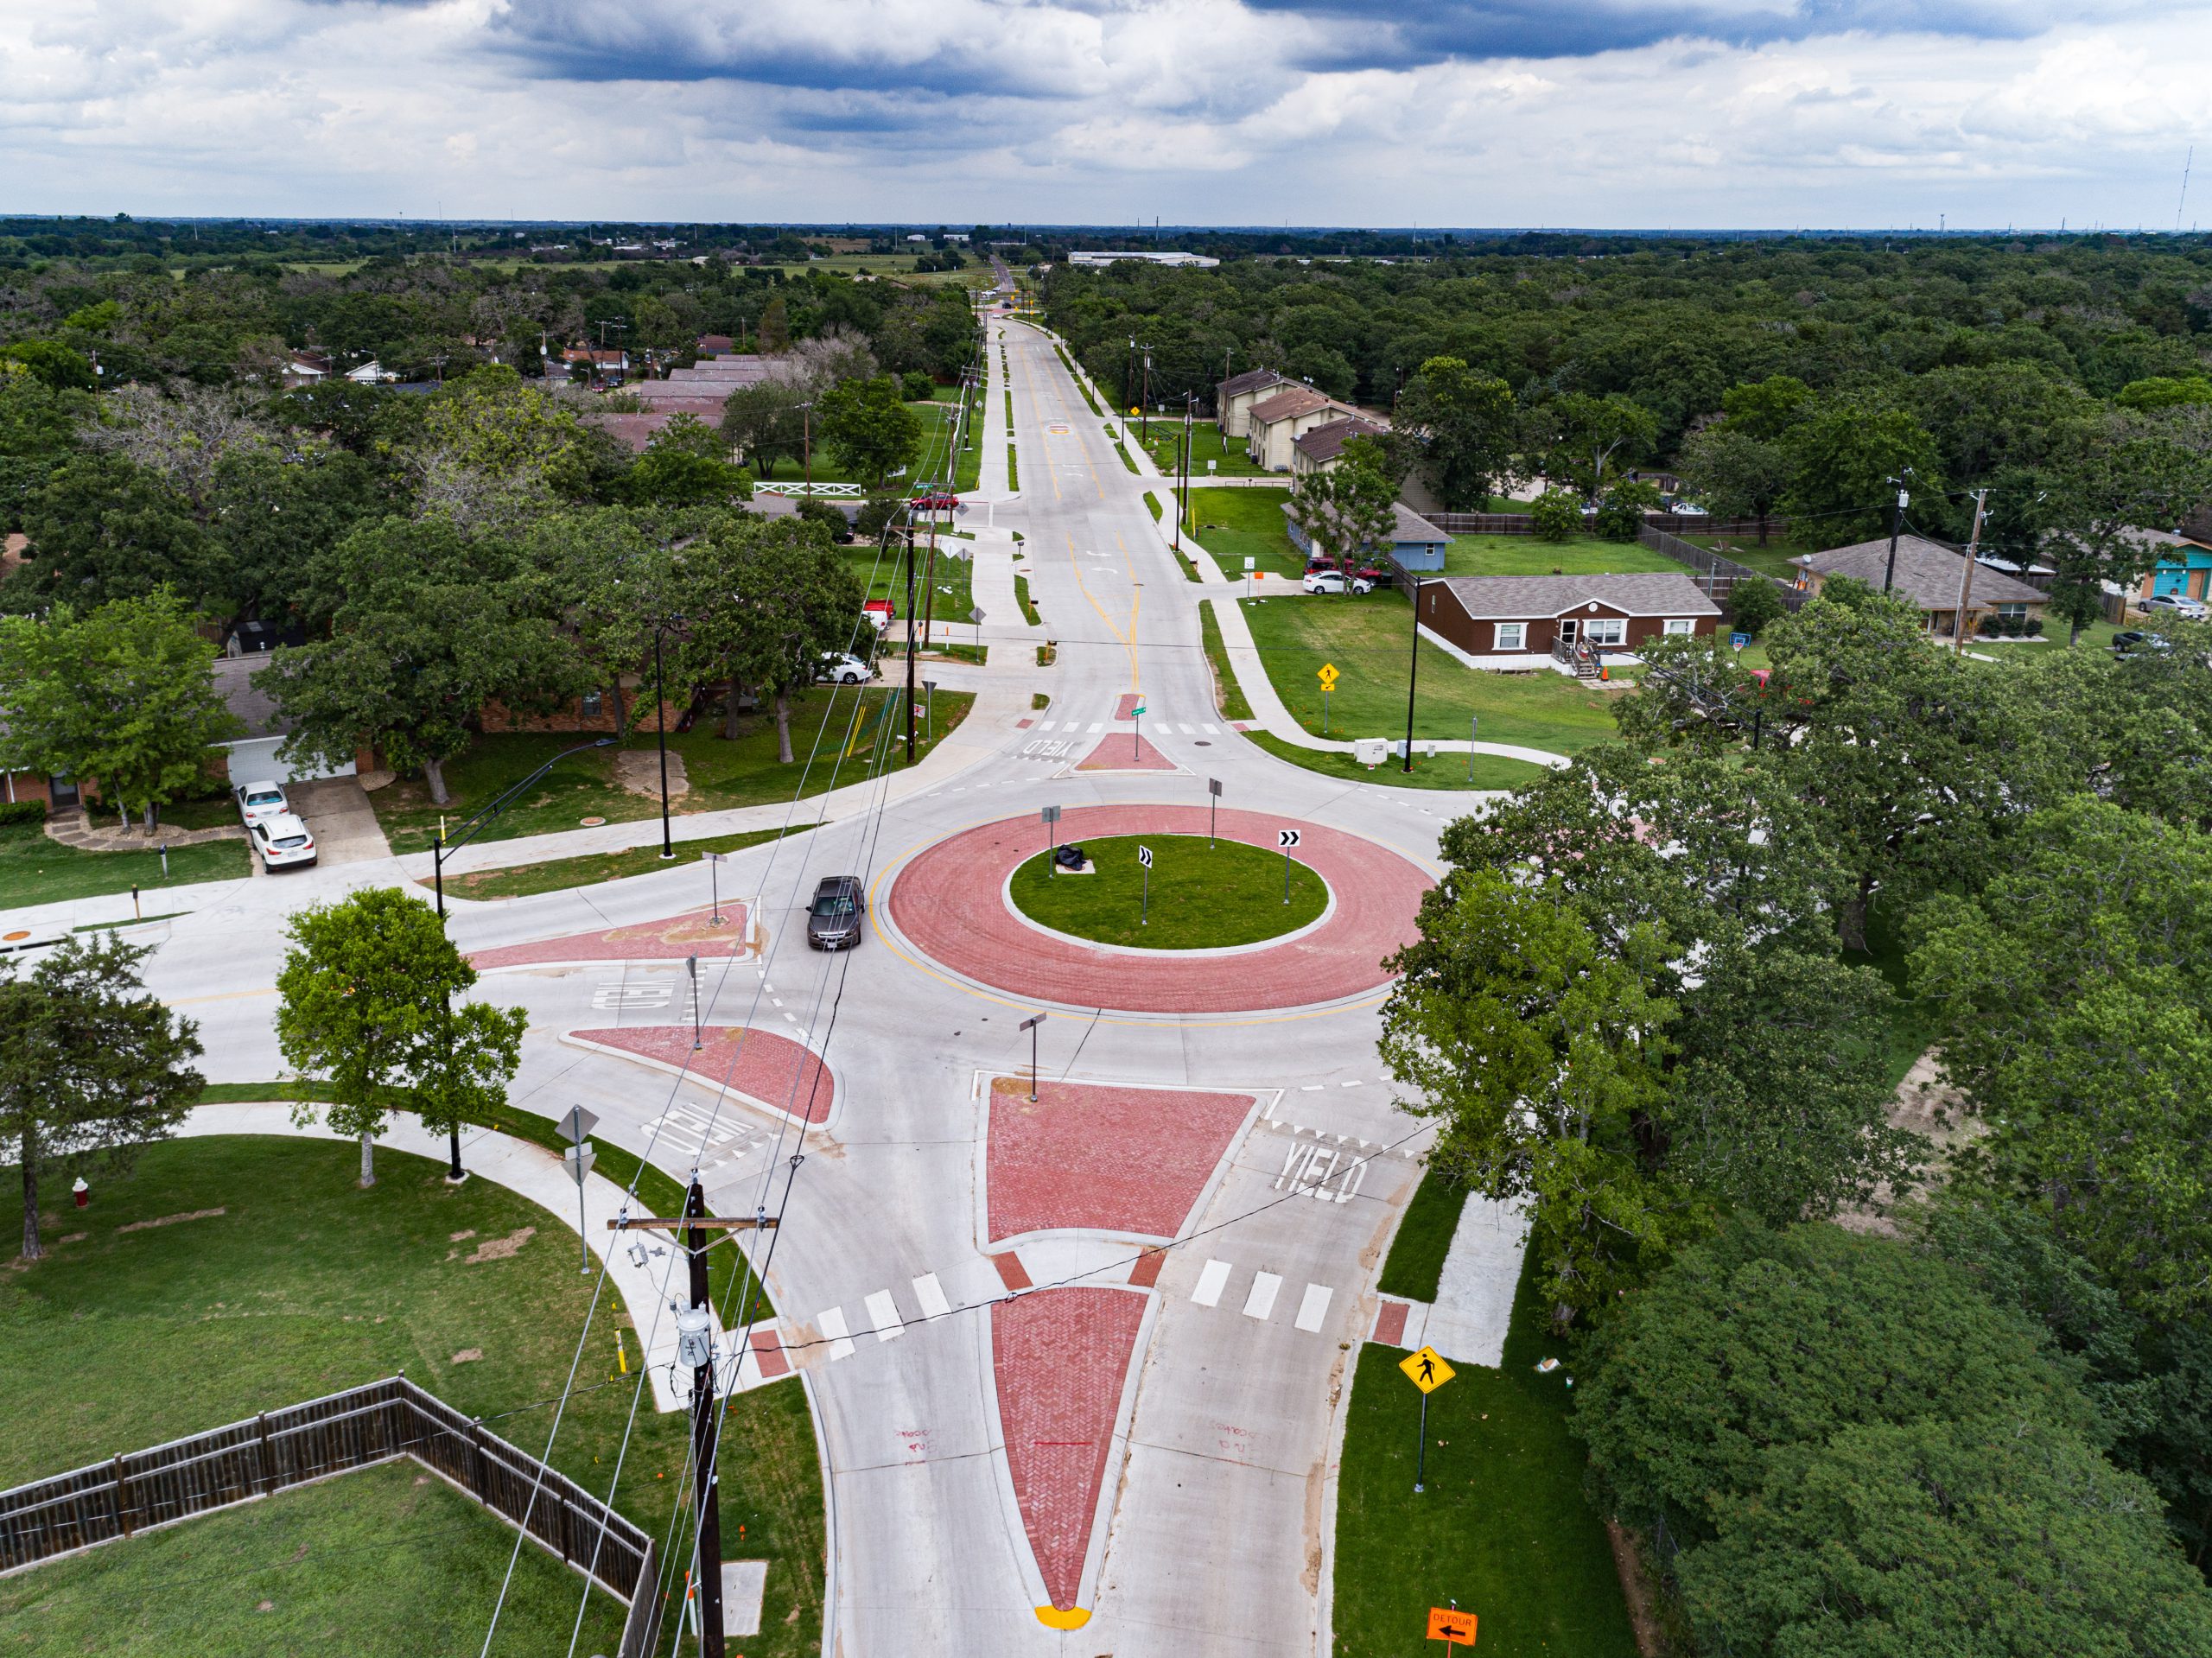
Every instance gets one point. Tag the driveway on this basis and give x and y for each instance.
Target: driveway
(338, 813)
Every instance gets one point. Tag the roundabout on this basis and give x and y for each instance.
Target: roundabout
(954, 905)
(1196, 895)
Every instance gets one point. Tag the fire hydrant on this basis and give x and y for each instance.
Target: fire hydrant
(82, 1192)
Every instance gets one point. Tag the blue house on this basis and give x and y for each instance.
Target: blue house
(2183, 565)
(1416, 544)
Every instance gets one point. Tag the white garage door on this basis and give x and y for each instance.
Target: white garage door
(255, 761)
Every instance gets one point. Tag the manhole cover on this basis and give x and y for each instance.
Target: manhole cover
(1202, 742)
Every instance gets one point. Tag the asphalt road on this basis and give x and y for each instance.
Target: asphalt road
(1210, 1533)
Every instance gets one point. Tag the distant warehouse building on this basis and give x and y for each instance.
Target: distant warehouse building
(1194, 260)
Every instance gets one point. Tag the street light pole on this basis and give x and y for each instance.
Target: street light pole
(1413, 669)
(1897, 528)
(1030, 1026)
(660, 727)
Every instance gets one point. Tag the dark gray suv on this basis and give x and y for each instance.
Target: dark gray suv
(833, 920)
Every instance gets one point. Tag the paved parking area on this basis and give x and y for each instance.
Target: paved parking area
(338, 813)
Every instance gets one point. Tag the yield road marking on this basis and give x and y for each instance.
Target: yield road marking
(1315, 1306)
(883, 1313)
(1211, 1281)
(930, 1294)
(1262, 1301)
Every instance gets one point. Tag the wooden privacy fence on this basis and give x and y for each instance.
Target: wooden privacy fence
(1520, 524)
(314, 1440)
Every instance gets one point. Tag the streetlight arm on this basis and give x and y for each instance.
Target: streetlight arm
(492, 808)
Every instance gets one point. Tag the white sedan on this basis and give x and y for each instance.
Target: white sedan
(260, 800)
(841, 669)
(2180, 603)
(1334, 582)
(282, 842)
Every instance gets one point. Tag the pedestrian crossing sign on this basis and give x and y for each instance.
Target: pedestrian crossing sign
(1327, 673)
(1427, 1370)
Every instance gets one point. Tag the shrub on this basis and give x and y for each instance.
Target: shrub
(813, 510)
(1621, 514)
(2034, 627)
(879, 513)
(14, 814)
(917, 386)
(1556, 515)
(1753, 604)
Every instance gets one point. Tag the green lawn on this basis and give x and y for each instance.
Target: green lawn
(303, 1284)
(1526, 555)
(722, 773)
(1366, 637)
(35, 870)
(1206, 444)
(203, 1586)
(1502, 1527)
(1029, 612)
(1227, 694)
(1773, 559)
(1233, 523)
(1445, 771)
(1415, 1263)
(1203, 897)
(950, 574)
(555, 874)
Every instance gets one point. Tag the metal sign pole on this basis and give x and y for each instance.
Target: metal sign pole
(1421, 1449)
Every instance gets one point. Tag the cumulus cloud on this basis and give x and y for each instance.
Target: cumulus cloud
(1373, 111)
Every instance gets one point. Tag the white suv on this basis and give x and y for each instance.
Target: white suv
(1331, 581)
(260, 800)
(2180, 603)
(282, 842)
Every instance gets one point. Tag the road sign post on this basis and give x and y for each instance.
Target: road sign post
(1136, 736)
(1427, 1371)
(1051, 816)
(1327, 673)
(977, 617)
(1030, 1026)
(715, 885)
(1251, 564)
(1213, 804)
(1144, 904)
(1286, 838)
(576, 1129)
(1474, 726)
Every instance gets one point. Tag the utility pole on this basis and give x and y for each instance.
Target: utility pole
(1144, 401)
(706, 1486)
(1183, 493)
(1897, 528)
(911, 637)
(1965, 575)
(660, 727)
(1413, 668)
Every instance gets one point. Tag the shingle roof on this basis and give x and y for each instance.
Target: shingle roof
(1287, 404)
(1326, 441)
(1927, 575)
(1413, 527)
(1518, 598)
(1251, 380)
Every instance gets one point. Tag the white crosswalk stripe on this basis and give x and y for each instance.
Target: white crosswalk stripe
(1315, 1307)
(883, 1314)
(1262, 1301)
(832, 1324)
(930, 1295)
(1212, 1280)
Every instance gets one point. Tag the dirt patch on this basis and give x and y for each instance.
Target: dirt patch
(500, 1249)
(1926, 1107)
(457, 1237)
(469, 1356)
(637, 771)
(171, 1219)
(1651, 1643)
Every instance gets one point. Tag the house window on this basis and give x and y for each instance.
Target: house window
(1510, 636)
(1681, 624)
(2013, 610)
(592, 702)
(1604, 630)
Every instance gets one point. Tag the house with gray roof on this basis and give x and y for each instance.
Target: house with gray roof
(1572, 622)
(1932, 579)
(1234, 398)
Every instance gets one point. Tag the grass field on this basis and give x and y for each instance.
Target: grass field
(722, 773)
(1415, 1263)
(1502, 1527)
(1203, 897)
(35, 870)
(950, 575)
(556, 874)
(274, 1279)
(286, 1575)
(1366, 638)
(1227, 694)
(1445, 771)
(1526, 555)
(1233, 523)
(1773, 559)
(1228, 458)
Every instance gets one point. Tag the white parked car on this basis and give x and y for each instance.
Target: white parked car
(1334, 582)
(2180, 603)
(839, 669)
(282, 841)
(260, 800)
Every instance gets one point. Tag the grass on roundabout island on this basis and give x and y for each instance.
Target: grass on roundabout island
(1203, 897)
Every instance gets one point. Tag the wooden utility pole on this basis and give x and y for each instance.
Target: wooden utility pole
(1965, 576)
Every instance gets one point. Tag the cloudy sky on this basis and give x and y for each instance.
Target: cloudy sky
(1626, 113)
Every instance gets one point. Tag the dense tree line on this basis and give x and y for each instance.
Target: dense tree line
(1657, 1000)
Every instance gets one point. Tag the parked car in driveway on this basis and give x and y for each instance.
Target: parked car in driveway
(833, 920)
(881, 612)
(2135, 639)
(282, 841)
(839, 669)
(934, 500)
(2179, 604)
(1334, 582)
(260, 800)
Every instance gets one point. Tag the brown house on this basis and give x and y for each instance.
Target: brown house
(1929, 577)
(1529, 621)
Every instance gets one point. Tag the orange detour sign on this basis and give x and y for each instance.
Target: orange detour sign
(1453, 1629)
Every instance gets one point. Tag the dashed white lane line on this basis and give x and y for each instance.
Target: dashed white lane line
(1315, 1307)
(930, 1294)
(1262, 1301)
(883, 1313)
(832, 1322)
(1212, 1280)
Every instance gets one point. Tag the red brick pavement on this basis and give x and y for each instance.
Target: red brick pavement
(1120, 752)
(1103, 1159)
(768, 1353)
(948, 903)
(1126, 706)
(1390, 1323)
(1059, 1358)
(692, 934)
(771, 1069)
